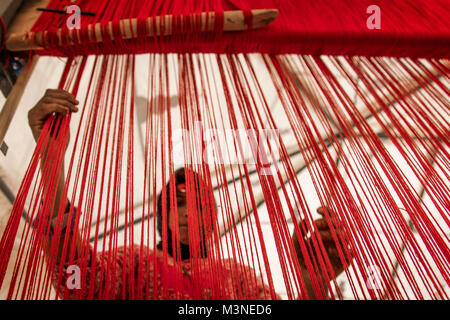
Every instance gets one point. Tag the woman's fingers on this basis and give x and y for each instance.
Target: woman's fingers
(54, 107)
(53, 101)
(326, 235)
(61, 94)
(322, 227)
(321, 224)
(322, 210)
(63, 102)
(332, 216)
(49, 105)
(332, 251)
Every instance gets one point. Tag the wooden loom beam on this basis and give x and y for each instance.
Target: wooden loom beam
(156, 26)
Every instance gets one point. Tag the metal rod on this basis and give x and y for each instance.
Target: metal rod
(85, 13)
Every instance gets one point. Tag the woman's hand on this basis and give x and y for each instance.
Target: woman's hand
(53, 101)
(324, 232)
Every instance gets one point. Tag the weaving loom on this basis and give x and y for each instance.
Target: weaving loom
(361, 115)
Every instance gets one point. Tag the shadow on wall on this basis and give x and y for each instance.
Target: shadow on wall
(157, 105)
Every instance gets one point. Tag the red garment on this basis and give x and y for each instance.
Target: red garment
(226, 280)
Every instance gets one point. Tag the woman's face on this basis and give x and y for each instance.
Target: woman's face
(182, 215)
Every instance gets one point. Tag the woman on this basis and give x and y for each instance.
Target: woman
(133, 272)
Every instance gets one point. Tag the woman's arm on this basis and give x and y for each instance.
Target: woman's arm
(53, 101)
